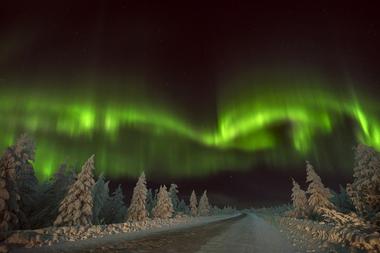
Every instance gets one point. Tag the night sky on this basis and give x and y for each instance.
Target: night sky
(216, 96)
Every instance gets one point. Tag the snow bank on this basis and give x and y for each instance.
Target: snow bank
(327, 235)
(65, 238)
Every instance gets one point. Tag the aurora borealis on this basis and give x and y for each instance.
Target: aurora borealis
(141, 91)
(132, 134)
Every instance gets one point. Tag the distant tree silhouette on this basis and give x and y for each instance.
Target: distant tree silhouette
(100, 195)
(150, 201)
(173, 193)
(51, 195)
(114, 210)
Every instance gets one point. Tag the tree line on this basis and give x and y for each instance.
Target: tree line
(69, 199)
(359, 201)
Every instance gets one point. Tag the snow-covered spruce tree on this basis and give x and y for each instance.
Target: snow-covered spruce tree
(319, 195)
(9, 197)
(299, 200)
(365, 190)
(173, 194)
(13, 201)
(193, 204)
(51, 194)
(23, 151)
(137, 210)
(204, 206)
(114, 211)
(76, 207)
(100, 195)
(164, 206)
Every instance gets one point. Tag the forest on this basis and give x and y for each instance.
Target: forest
(80, 200)
(78, 205)
(349, 218)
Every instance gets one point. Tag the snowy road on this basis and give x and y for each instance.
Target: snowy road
(245, 233)
(249, 234)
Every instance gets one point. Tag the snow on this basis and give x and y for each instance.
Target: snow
(96, 242)
(250, 234)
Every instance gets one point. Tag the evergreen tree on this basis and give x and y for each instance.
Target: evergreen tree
(27, 182)
(51, 194)
(204, 206)
(299, 200)
(193, 204)
(173, 193)
(9, 197)
(183, 208)
(114, 211)
(27, 185)
(150, 201)
(164, 206)
(365, 190)
(76, 207)
(319, 195)
(137, 210)
(15, 202)
(342, 200)
(100, 194)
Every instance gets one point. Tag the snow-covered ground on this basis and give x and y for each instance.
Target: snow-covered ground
(250, 234)
(215, 234)
(304, 235)
(77, 246)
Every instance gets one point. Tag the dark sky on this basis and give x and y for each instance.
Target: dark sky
(190, 44)
(185, 50)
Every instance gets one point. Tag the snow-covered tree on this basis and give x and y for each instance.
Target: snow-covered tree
(9, 197)
(13, 200)
(24, 149)
(51, 193)
(137, 210)
(319, 195)
(193, 204)
(20, 181)
(173, 193)
(164, 206)
(76, 207)
(204, 206)
(299, 200)
(365, 190)
(114, 211)
(100, 195)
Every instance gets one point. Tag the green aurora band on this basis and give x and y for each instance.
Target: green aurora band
(279, 126)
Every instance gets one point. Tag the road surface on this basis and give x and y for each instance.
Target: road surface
(245, 233)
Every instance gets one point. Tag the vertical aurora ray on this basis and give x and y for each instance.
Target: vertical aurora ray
(137, 132)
